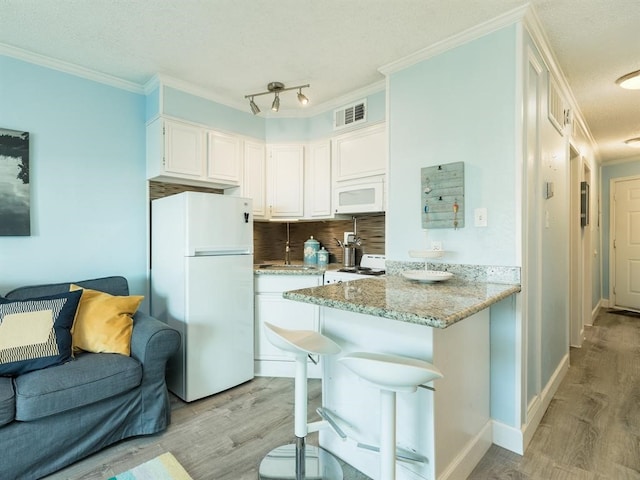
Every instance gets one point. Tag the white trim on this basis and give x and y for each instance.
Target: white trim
(596, 310)
(508, 437)
(540, 39)
(70, 68)
(540, 405)
(467, 459)
(242, 105)
(473, 33)
(517, 440)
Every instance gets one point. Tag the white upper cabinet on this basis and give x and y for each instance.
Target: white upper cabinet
(285, 187)
(360, 153)
(317, 191)
(183, 152)
(254, 181)
(223, 158)
(175, 150)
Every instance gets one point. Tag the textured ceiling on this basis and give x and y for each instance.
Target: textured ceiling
(235, 47)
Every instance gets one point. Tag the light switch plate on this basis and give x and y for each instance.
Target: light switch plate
(480, 217)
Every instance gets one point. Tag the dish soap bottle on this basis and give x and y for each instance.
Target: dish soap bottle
(311, 248)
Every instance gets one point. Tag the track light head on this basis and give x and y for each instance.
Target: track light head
(302, 98)
(275, 106)
(254, 108)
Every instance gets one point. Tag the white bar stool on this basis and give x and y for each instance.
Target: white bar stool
(391, 374)
(301, 462)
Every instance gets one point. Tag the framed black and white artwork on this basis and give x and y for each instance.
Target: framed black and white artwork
(15, 204)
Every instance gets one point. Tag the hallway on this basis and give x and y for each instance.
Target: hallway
(591, 429)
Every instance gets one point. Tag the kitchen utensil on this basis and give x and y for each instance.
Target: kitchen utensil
(349, 257)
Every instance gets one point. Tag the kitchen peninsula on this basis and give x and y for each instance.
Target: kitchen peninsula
(447, 324)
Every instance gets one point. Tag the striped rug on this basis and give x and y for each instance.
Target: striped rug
(163, 467)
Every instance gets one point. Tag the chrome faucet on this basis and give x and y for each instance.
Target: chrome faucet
(287, 259)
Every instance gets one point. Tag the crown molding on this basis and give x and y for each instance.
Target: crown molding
(532, 24)
(473, 33)
(70, 68)
(187, 87)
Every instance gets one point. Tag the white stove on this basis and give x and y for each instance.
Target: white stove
(370, 265)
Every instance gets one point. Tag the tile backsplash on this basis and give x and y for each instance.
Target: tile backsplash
(269, 237)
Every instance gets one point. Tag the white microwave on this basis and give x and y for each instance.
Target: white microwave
(359, 197)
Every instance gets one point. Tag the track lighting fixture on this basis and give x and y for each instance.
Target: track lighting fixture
(276, 88)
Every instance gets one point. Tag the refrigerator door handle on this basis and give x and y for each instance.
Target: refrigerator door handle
(214, 251)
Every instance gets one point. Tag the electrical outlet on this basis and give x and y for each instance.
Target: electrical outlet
(480, 217)
(346, 237)
(436, 245)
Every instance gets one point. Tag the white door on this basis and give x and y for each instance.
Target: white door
(626, 244)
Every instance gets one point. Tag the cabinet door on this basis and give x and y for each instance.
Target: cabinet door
(254, 182)
(285, 169)
(184, 151)
(361, 153)
(223, 158)
(272, 308)
(318, 181)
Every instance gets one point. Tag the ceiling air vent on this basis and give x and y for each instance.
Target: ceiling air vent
(350, 115)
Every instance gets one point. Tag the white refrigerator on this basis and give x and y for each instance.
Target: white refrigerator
(202, 285)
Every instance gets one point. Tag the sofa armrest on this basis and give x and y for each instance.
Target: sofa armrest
(152, 343)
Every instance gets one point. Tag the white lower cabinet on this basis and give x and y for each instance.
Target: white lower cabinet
(271, 307)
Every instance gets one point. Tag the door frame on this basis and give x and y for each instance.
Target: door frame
(580, 270)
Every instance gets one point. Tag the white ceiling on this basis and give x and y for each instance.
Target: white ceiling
(231, 48)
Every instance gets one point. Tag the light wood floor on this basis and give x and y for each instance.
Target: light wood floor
(591, 430)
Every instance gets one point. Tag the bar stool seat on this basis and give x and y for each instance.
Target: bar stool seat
(299, 461)
(391, 374)
(301, 342)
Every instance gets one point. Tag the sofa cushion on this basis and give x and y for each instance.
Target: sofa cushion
(113, 285)
(89, 378)
(36, 333)
(104, 322)
(7, 401)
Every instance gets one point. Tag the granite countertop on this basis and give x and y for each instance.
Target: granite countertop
(277, 267)
(431, 304)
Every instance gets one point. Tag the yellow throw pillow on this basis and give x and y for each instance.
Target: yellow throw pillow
(104, 322)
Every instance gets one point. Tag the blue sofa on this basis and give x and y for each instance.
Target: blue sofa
(53, 417)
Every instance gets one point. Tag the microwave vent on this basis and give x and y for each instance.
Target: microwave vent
(350, 115)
